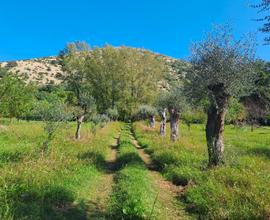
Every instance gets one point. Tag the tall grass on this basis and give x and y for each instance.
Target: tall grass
(237, 190)
(132, 196)
(52, 186)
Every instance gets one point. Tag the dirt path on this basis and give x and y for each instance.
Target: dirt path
(168, 193)
(98, 204)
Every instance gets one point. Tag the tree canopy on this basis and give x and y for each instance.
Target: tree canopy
(16, 97)
(123, 78)
(221, 60)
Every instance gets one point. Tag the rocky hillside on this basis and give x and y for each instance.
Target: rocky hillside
(48, 71)
(42, 70)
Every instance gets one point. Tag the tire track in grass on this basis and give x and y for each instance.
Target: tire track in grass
(97, 205)
(133, 196)
(170, 207)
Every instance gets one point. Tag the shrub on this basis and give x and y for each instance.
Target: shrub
(236, 112)
(100, 119)
(144, 112)
(11, 64)
(112, 113)
(59, 75)
(54, 62)
(193, 117)
(3, 72)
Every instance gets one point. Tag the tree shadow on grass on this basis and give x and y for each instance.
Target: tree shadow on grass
(127, 159)
(260, 151)
(97, 212)
(99, 161)
(94, 158)
(6, 157)
(50, 202)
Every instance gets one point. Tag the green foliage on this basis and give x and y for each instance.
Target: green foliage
(15, 96)
(193, 117)
(144, 112)
(236, 112)
(173, 99)
(112, 113)
(221, 60)
(46, 97)
(53, 114)
(3, 72)
(51, 93)
(263, 80)
(121, 78)
(100, 119)
(73, 61)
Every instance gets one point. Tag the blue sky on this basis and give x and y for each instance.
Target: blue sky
(32, 28)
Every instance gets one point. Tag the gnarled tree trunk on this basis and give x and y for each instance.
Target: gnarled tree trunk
(79, 124)
(162, 130)
(152, 121)
(215, 125)
(174, 123)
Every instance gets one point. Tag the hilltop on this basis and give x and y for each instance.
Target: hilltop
(44, 70)
(47, 70)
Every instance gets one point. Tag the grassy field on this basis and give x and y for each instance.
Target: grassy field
(52, 186)
(132, 196)
(87, 179)
(240, 189)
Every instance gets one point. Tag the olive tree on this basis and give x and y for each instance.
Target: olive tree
(173, 100)
(54, 114)
(222, 67)
(73, 59)
(147, 112)
(112, 113)
(163, 119)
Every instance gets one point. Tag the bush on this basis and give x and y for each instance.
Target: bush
(58, 75)
(144, 112)
(193, 117)
(235, 113)
(3, 72)
(54, 62)
(100, 119)
(112, 113)
(11, 64)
